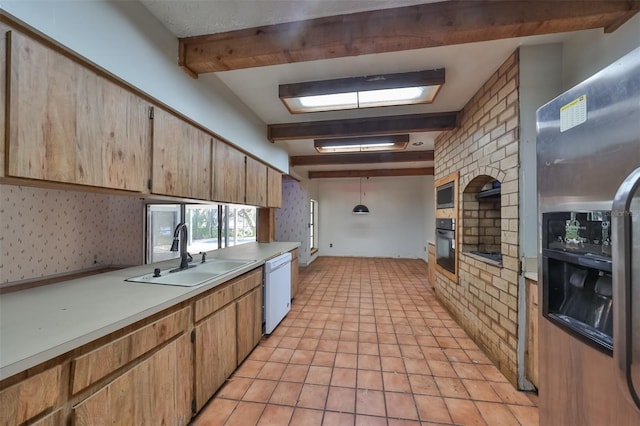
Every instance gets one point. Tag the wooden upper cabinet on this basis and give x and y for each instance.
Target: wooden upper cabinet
(228, 174)
(274, 188)
(182, 158)
(69, 124)
(256, 192)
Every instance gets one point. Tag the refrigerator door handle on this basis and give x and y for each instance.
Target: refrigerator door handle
(621, 275)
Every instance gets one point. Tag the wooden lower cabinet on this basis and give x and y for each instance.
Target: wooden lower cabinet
(154, 373)
(431, 264)
(295, 272)
(249, 322)
(231, 327)
(531, 350)
(215, 352)
(153, 392)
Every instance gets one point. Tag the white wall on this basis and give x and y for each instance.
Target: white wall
(590, 51)
(545, 72)
(430, 210)
(540, 81)
(398, 225)
(129, 42)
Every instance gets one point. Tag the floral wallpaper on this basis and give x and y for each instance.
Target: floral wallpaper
(292, 220)
(126, 230)
(47, 232)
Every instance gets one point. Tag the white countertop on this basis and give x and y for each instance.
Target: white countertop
(41, 323)
(530, 268)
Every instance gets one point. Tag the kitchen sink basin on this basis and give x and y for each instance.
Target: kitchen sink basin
(198, 273)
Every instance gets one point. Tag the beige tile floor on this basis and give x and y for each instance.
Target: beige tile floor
(366, 343)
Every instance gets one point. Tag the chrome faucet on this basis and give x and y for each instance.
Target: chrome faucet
(185, 257)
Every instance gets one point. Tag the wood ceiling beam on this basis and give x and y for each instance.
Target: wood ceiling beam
(360, 158)
(422, 171)
(404, 28)
(389, 125)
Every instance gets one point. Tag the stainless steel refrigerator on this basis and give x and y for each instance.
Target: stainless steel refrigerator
(588, 165)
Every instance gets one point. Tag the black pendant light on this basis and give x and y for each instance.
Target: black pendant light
(360, 208)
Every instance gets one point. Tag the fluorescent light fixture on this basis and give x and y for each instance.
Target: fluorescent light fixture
(337, 99)
(362, 144)
(362, 92)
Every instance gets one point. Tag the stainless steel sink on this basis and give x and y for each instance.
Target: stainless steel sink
(198, 273)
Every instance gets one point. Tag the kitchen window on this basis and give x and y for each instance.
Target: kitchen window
(210, 226)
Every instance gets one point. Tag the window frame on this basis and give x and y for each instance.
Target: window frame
(223, 216)
(313, 226)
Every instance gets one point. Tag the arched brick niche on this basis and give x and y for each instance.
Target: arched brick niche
(481, 214)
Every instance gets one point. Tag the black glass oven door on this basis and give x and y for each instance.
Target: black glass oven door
(445, 249)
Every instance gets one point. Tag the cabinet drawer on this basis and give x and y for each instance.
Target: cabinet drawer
(214, 301)
(25, 400)
(99, 363)
(249, 282)
(226, 293)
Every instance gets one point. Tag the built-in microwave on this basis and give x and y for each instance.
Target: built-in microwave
(445, 195)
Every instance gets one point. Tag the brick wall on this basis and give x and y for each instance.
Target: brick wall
(484, 148)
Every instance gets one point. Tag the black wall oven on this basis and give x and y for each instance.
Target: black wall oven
(446, 244)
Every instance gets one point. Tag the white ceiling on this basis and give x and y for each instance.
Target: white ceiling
(187, 18)
(467, 66)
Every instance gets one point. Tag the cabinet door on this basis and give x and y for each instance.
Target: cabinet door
(215, 353)
(256, 183)
(69, 124)
(274, 188)
(228, 174)
(182, 156)
(155, 392)
(295, 271)
(54, 419)
(249, 316)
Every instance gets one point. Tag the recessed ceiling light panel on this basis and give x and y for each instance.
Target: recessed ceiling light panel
(362, 92)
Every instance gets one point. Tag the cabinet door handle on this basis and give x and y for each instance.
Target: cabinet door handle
(621, 274)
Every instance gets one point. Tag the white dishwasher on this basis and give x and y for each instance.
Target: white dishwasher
(277, 290)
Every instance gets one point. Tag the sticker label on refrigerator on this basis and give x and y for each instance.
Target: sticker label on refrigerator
(573, 114)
